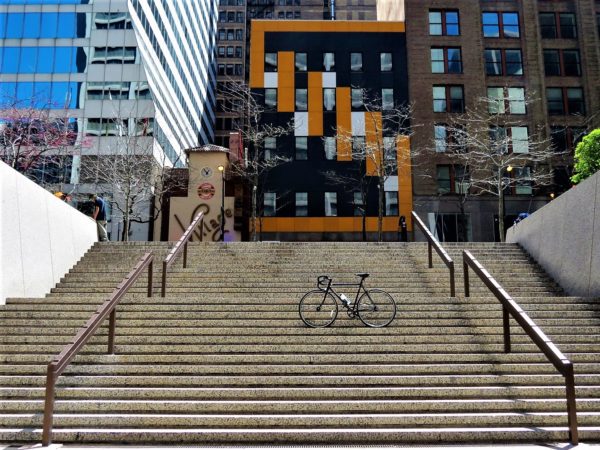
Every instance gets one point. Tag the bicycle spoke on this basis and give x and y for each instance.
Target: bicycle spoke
(376, 308)
(317, 309)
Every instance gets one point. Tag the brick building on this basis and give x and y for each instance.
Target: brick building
(463, 50)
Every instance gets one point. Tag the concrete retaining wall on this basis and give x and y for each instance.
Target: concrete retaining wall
(564, 237)
(41, 237)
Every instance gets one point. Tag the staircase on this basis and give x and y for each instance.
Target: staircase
(225, 358)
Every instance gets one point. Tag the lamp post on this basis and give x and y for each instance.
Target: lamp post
(222, 170)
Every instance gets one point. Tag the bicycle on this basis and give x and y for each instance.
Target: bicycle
(319, 308)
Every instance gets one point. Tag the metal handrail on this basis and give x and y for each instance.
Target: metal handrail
(432, 242)
(60, 362)
(509, 306)
(180, 245)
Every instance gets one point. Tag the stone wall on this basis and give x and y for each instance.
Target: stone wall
(564, 238)
(41, 237)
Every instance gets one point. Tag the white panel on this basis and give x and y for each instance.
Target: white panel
(391, 184)
(329, 80)
(301, 124)
(270, 79)
(358, 124)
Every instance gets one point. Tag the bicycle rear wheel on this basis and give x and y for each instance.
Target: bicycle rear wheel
(318, 309)
(376, 308)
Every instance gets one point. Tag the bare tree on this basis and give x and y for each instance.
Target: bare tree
(35, 137)
(494, 151)
(259, 137)
(131, 171)
(375, 144)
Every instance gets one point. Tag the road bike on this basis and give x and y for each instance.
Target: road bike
(319, 307)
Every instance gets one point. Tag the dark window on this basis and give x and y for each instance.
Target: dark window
(271, 98)
(301, 99)
(301, 204)
(356, 62)
(565, 139)
(357, 98)
(270, 62)
(562, 62)
(301, 148)
(329, 99)
(446, 60)
(563, 101)
(386, 62)
(558, 25)
(444, 23)
(448, 99)
(329, 62)
(300, 60)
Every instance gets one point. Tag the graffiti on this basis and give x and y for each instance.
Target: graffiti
(212, 226)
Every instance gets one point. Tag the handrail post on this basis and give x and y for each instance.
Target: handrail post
(430, 253)
(163, 289)
(452, 284)
(150, 278)
(112, 324)
(185, 255)
(202, 229)
(466, 275)
(506, 327)
(571, 403)
(49, 406)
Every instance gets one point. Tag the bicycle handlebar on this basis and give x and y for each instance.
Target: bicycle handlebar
(323, 281)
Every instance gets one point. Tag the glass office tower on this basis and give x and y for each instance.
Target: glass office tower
(113, 67)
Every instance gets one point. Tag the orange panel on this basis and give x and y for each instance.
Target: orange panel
(338, 26)
(323, 224)
(315, 104)
(374, 140)
(344, 123)
(257, 55)
(405, 198)
(285, 81)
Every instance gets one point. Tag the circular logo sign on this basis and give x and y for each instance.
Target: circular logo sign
(206, 191)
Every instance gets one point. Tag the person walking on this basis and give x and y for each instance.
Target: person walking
(100, 216)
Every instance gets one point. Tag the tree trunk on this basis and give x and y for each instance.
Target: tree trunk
(380, 214)
(253, 219)
(364, 224)
(501, 211)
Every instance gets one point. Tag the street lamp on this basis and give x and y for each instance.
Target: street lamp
(222, 170)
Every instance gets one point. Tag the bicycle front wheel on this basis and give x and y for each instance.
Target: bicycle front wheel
(376, 308)
(318, 309)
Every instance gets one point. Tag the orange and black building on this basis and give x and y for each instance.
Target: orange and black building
(309, 72)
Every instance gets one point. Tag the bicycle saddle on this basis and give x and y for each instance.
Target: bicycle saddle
(362, 275)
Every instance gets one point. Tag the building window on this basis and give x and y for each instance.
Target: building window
(387, 99)
(562, 62)
(329, 145)
(271, 98)
(358, 204)
(329, 62)
(301, 99)
(359, 145)
(500, 24)
(389, 150)
(301, 204)
(270, 62)
(558, 25)
(503, 62)
(301, 148)
(443, 23)
(357, 98)
(519, 138)
(565, 139)
(446, 60)
(300, 59)
(330, 204)
(270, 148)
(505, 140)
(448, 99)
(506, 100)
(386, 62)
(452, 179)
(391, 203)
(356, 64)
(523, 184)
(562, 101)
(270, 204)
(329, 99)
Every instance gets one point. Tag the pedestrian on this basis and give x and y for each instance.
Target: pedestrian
(403, 229)
(100, 216)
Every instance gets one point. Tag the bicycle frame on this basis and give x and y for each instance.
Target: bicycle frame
(331, 285)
